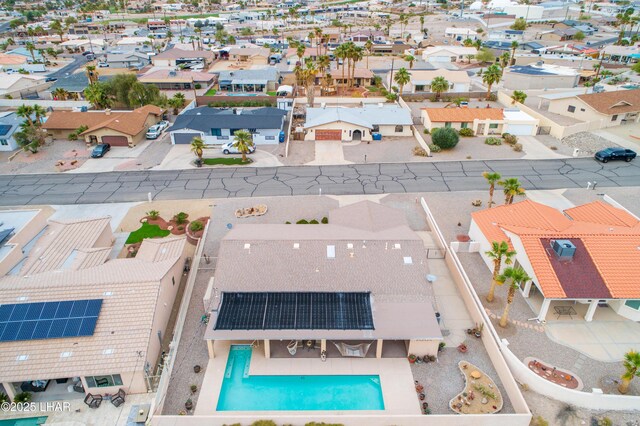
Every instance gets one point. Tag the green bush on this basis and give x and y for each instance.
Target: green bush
(4, 398)
(325, 220)
(302, 222)
(493, 141)
(153, 214)
(180, 218)
(264, 423)
(509, 138)
(198, 86)
(426, 131)
(517, 147)
(287, 223)
(313, 222)
(434, 148)
(22, 397)
(445, 138)
(466, 132)
(196, 226)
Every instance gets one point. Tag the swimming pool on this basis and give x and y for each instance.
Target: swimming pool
(241, 392)
(242, 94)
(24, 421)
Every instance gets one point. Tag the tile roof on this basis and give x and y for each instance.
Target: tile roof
(609, 103)
(456, 115)
(184, 54)
(609, 236)
(127, 122)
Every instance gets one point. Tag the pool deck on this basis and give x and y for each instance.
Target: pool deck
(395, 377)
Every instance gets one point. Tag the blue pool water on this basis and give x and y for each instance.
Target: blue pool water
(241, 392)
(25, 421)
(242, 94)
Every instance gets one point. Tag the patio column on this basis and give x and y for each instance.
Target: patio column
(544, 309)
(10, 390)
(591, 310)
(212, 355)
(527, 288)
(267, 349)
(379, 348)
(323, 345)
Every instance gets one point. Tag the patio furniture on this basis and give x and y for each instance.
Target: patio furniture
(356, 351)
(564, 310)
(102, 382)
(35, 386)
(93, 401)
(118, 398)
(292, 347)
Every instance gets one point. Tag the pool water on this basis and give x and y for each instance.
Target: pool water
(25, 421)
(242, 94)
(241, 392)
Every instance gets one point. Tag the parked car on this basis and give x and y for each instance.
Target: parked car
(103, 65)
(87, 52)
(50, 79)
(228, 148)
(611, 154)
(163, 125)
(100, 150)
(154, 132)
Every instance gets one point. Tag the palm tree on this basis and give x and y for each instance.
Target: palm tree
(439, 85)
(177, 102)
(496, 254)
(467, 42)
(92, 74)
(357, 54)
(411, 59)
(31, 48)
(402, 77)
(26, 112)
(492, 178)
(505, 59)
(319, 37)
(60, 94)
(197, 146)
(491, 76)
(514, 46)
(243, 141)
(341, 53)
(632, 366)
(518, 96)
(323, 63)
(368, 45)
(57, 27)
(39, 113)
(307, 77)
(511, 188)
(97, 96)
(516, 278)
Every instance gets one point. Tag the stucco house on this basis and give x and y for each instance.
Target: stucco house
(540, 76)
(606, 109)
(357, 123)
(459, 81)
(177, 57)
(9, 124)
(16, 85)
(483, 121)
(126, 60)
(255, 55)
(118, 128)
(259, 80)
(445, 54)
(177, 80)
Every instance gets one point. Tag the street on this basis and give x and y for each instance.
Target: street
(303, 180)
(78, 61)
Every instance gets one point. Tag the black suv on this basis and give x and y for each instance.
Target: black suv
(615, 154)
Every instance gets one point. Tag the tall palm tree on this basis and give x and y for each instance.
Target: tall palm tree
(26, 112)
(307, 77)
(243, 141)
(498, 252)
(57, 27)
(632, 369)
(516, 278)
(39, 112)
(505, 60)
(60, 94)
(491, 76)
(31, 48)
(511, 188)
(323, 63)
(319, 38)
(402, 77)
(492, 178)
(411, 59)
(197, 146)
(341, 53)
(357, 54)
(439, 85)
(368, 45)
(92, 74)
(518, 96)
(514, 46)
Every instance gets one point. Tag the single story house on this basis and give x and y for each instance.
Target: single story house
(436, 54)
(260, 80)
(126, 60)
(354, 286)
(9, 124)
(18, 85)
(357, 123)
(74, 84)
(361, 77)
(12, 61)
(25, 53)
(483, 121)
(586, 257)
(218, 125)
(607, 108)
(177, 80)
(459, 81)
(559, 34)
(460, 34)
(118, 128)
(176, 57)
(390, 48)
(506, 35)
(540, 76)
(256, 55)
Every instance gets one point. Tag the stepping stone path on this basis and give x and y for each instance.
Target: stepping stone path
(517, 323)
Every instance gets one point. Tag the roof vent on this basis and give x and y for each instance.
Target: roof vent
(564, 249)
(296, 245)
(396, 246)
(408, 260)
(350, 246)
(247, 246)
(108, 352)
(22, 298)
(65, 354)
(331, 252)
(22, 357)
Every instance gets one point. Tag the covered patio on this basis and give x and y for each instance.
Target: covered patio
(377, 349)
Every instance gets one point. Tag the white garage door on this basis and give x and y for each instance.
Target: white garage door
(521, 129)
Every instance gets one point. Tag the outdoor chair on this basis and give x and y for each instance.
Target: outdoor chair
(93, 401)
(118, 398)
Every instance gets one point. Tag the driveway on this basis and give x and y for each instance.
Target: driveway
(327, 153)
(627, 136)
(180, 157)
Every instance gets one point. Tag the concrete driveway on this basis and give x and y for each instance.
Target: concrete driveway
(536, 150)
(327, 153)
(627, 136)
(115, 158)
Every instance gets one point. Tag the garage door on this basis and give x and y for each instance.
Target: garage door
(328, 135)
(184, 138)
(115, 140)
(521, 129)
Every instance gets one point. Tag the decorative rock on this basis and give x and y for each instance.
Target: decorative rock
(484, 400)
(476, 374)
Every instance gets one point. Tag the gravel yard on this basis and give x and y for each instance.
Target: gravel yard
(587, 142)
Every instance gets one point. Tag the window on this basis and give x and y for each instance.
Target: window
(582, 109)
(447, 124)
(4, 142)
(233, 131)
(399, 129)
(216, 132)
(376, 128)
(252, 131)
(493, 125)
(420, 88)
(633, 304)
(614, 118)
(269, 138)
(464, 125)
(104, 381)
(571, 108)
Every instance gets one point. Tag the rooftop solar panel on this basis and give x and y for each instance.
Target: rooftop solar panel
(291, 311)
(48, 320)
(4, 129)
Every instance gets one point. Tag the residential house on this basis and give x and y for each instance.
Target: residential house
(255, 55)
(586, 256)
(23, 52)
(435, 54)
(357, 123)
(177, 57)
(177, 80)
(9, 124)
(118, 128)
(126, 60)
(483, 121)
(460, 34)
(604, 109)
(559, 34)
(73, 84)
(362, 77)
(540, 76)
(357, 281)
(260, 80)
(8, 62)
(18, 85)
(390, 48)
(67, 304)
(506, 35)
(459, 81)
(218, 125)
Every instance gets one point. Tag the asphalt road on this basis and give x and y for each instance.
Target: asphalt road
(303, 180)
(78, 61)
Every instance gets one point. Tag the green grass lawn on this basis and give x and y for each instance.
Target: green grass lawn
(226, 161)
(147, 231)
(211, 92)
(271, 93)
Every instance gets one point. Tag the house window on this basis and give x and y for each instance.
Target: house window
(582, 109)
(420, 88)
(464, 125)
(233, 131)
(216, 132)
(571, 108)
(376, 128)
(269, 138)
(447, 124)
(493, 125)
(252, 130)
(633, 304)
(104, 381)
(4, 142)
(399, 129)
(614, 118)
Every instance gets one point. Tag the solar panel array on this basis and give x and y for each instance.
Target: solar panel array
(48, 320)
(295, 311)
(4, 129)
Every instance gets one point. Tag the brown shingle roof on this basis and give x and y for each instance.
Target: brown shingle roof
(463, 115)
(127, 122)
(611, 103)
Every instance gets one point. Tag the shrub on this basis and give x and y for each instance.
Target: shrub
(4, 398)
(466, 132)
(73, 136)
(493, 141)
(419, 151)
(180, 218)
(517, 147)
(426, 131)
(22, 397)
(509, 138)
(196, 226)
(287, 223)
(153, 214)
(313, 222)
(264, 423)
(325, 220)
(197, 86)
(302, 222)
(434, 148)
(445, 138)
(492, 97)
(180, 228)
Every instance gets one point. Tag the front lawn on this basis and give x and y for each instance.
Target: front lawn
(211, 92)
(147, 231)
(271, 93)
(226, 161)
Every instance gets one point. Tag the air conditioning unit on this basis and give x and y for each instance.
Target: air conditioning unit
(564, 249)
